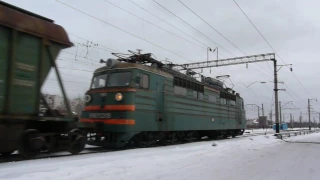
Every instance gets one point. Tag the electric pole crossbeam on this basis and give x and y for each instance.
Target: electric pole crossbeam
(227, 62)
(235, 61)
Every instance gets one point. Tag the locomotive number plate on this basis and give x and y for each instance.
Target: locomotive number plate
(100, 115)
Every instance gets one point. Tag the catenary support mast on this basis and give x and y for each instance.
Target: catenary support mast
(236, 61)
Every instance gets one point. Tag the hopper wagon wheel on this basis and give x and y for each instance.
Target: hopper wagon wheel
(77, 140)
(30, 143)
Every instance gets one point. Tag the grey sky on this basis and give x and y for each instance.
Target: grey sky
(290, 26)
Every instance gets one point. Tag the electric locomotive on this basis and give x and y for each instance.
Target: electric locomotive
(137, 100)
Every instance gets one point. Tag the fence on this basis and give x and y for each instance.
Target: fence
(295, 133)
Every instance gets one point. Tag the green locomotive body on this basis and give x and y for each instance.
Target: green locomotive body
(29, 45)
(132, 103)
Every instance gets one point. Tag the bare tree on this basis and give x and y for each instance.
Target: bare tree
(79, 105)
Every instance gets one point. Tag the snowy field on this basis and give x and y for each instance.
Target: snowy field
(269, 130)
(251, 158)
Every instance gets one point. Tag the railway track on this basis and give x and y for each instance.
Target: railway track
(92, 150)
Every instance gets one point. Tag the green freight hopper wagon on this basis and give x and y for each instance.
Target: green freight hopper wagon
(137, 100)
(29, 45)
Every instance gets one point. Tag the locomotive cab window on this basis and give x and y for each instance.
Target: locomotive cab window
(142, 81)
(119, 79)
(99, 81)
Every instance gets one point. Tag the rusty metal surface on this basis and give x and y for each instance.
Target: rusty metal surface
(32, 24)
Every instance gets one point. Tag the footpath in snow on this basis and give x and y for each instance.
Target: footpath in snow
(250, 158)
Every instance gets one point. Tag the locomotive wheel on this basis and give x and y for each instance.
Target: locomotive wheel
(143, 140)
(77, 141)
(225, 136)
(181, 136)
(172, 138)
(164, 140)
(198, 136)
(6, 153)
(30, 144)
(189, 137)
(212, 135)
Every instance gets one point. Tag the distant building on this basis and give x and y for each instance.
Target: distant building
(54, 101)
(262, 121)
(74, 103)
(252, 122)
(77, 105)
(57, 102)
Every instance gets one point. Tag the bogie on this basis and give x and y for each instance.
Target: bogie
(77, 140)
(30, 143)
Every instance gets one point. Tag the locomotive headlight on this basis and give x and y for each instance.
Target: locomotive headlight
(87, 98)
(119, 97)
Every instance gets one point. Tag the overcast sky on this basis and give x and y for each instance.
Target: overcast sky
(291, 27)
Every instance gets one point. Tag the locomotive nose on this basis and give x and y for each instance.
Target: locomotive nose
(112, 106)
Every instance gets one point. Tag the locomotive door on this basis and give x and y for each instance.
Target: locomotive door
(160, 100)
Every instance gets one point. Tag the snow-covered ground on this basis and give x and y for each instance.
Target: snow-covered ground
(260, 130)
(250, 158)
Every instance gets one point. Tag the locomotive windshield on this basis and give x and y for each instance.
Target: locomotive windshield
(119, 79)
(99, 81)
(111, 80)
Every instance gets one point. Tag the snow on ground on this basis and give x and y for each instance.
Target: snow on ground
(260, 130)
(310, 138)
(258, 157)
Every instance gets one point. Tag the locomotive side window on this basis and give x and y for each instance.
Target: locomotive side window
(223, 101)
(180, 90)
(99, 81)
(185, 83)
(195, 94)
(119, 79)
(212, 98)
(200, 95)
(143, 81)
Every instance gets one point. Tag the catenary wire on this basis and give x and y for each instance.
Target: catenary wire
(125, 31)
